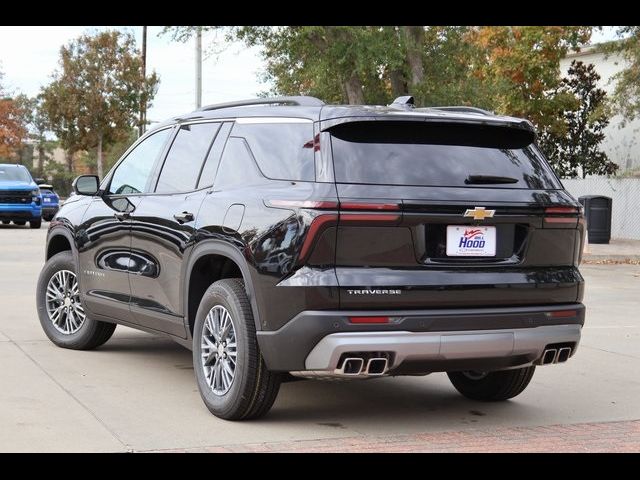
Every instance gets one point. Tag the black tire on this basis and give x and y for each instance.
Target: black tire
(6, 222)
(253, 388)
(91, 334)
(19, 222)
(493, 386)
(35, 223)
(47, 218)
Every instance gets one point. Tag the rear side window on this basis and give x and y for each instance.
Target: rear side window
(237, 168)
(402, 153)
(184, 161)
(213, 158)
(283, 151)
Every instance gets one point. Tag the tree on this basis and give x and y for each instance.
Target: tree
(37, 124)
(626, 95)
(522, 69)
(367, 64)
(95, 97)
(577, 150)
(12, 128)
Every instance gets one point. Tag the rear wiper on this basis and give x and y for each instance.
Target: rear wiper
(488, 179)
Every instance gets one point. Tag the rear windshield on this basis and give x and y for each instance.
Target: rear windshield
(403, 153)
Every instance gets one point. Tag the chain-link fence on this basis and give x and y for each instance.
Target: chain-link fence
(625, 195)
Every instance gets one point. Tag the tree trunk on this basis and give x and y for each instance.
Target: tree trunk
(398, 84)
(353, 87)
(415, 41)
(99, 161)
(40, 160)
(69, 157)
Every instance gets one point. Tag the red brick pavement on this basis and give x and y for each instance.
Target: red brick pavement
(584, 437)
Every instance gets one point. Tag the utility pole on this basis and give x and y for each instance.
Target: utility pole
(199, 67)
(143, 102)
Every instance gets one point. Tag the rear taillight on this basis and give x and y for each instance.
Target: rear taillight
(311, 204)
(369, 206)
(364, 213)
(318, 224)
(562, 216)
(369, 212)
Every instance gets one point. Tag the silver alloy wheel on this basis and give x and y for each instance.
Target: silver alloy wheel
(63, 302)
(219, 350)
(473, 375)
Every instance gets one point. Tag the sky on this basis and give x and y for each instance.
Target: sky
(29, 55)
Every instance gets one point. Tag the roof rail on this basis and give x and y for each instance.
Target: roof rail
(299, 100)
(464, 109)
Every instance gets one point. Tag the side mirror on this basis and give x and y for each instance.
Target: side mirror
(39, 181)
(86, 185)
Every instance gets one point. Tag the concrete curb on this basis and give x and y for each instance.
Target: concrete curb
(591, 258)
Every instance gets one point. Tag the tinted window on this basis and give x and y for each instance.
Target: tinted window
(213, 159)
(283, 151)
(10, 173)
(182, 166)
(399, 153)
(237, 167)
(132, 174)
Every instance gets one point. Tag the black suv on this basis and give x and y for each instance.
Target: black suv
(279, 237)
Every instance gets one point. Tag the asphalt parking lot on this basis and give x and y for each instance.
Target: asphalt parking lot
(138, 393)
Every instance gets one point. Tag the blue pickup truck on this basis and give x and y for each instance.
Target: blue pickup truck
(20, 200)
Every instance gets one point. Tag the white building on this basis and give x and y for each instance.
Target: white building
(622, 144)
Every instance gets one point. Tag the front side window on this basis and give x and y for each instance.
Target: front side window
(184, 161)
(133, 173)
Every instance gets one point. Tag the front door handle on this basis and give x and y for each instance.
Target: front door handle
(184, 217)
(122, 215)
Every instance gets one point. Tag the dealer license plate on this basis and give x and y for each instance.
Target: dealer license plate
(471, 241)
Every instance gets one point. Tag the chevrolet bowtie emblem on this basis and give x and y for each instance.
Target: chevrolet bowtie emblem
(479, 213)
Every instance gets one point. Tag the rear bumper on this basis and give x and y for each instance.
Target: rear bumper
(50, 209)
(426, 340)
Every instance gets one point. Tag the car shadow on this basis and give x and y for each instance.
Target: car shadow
(12, 226)
(391, 401)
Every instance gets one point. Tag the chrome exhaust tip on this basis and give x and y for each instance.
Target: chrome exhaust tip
(377, 366)
(564, 354)
(351, 366)
(549, 356)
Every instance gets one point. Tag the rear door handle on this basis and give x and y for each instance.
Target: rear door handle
(184, 217)
(122, 215)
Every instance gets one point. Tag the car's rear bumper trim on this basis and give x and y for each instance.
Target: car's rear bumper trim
(442, 346)
(287, 348)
